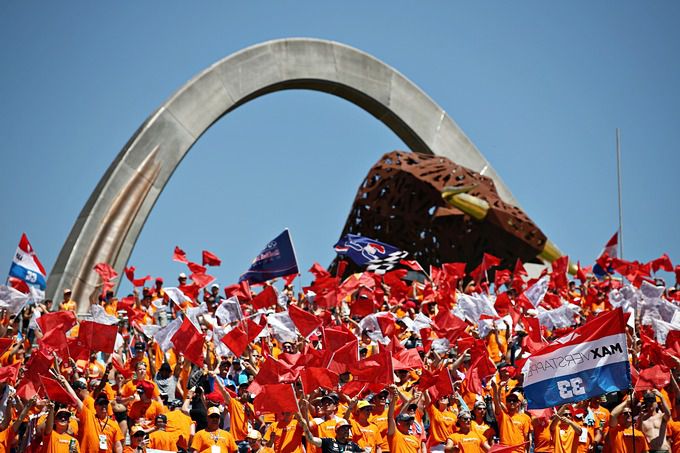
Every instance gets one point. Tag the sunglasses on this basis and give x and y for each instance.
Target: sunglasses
(63, 417)
(464, 419)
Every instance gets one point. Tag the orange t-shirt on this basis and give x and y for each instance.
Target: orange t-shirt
(179, 425)
(150, 412)
(483, 429)
(514, 429)
(380, 420)
(204, 441)
(288, 437)
(542, 438)
(366, 436)
(563, 439)
(239, 421)
(403, 443)
(130, 388)
(442, 424)
(621, 440)
(91, 428)
(674, 435)
(59, 443)
(467, 443)
(6, 438)
(162, 440)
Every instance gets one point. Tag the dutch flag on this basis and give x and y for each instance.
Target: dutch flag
(589, 362)
(26, 266)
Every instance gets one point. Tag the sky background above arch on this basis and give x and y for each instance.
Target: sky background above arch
(539, 88)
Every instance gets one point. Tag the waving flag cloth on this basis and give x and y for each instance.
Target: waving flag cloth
(610, 250)
(26, 266)
(375, 255)
(589, 362)
(276, 260)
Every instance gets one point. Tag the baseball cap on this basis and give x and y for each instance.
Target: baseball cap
(214, 285)
(159, 280)
(342, 422)
(101, 401)
(136, 429)
(405, 418)
(182, 275)
(79, 384)
(363, 403)
(214, 411)
(481, 404)
(67, 290)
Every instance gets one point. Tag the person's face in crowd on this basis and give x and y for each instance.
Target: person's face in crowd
(67, 296)
(329, 406)
(444, 401)
(161, 423)
(288, 348)
(224, 368)
(100, 410)
(119, 378)
(649, 403)
(364, 413)
(626, 418)
(286, 417)
(404, 426)
(464, 423)
(139, 354)
(342, 434)
(137, 439)
(213, 422)
(243, 392)
(479, 412)
(165, 372)
(402, 375)
(380, 399)
(61, 420)
(236, 366)
(141, 369)
(513, 403)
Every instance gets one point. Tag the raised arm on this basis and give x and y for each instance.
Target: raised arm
(316, 441)
(64, 383)
(391, 422)
(614, 418)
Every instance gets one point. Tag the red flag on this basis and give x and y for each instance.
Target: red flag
(480, 368)
(305, 322)
(443, 385)
(581, 273)
(376, 369)
(362, 306)
(122, 369)
(254, 328)
(656, 377)
(347, 354)
(313, 378)
(5, 343)
(288, 279)
(387, 324)
(276, 398)
(202, 280)
(664, 262)
(336, 337)
(191, 291)
(9, 373)
(237, 339)
(319, 271)
(558, 276)
(55, 341)
(410, 359)
(55, 392)
(488, 261)
(97, 337)
(677, 274)
(502, 304)
(533, 341)
(18, 284)
(196, 268)
(62, 320)
(105, 271)
(189, 341)
(266, 298)
(179, 256)
(240, 290)
(130, 274)
(76, 351)
(517, 274)
(501, 277)
(210, 260)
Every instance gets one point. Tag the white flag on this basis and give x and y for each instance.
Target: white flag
(12, 300)
(536, 292)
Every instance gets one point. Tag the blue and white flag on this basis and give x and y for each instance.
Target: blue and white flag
(589, 362)
(375, 255)
(276, 260)
(26, 267)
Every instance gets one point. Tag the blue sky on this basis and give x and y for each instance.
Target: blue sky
(538, 87)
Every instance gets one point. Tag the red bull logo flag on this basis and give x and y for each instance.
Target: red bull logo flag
(589, 362)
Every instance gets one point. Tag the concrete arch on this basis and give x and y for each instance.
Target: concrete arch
(110, 222)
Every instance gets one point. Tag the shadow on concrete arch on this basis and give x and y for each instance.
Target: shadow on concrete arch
(110, 222)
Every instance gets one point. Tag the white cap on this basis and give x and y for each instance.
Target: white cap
(182, 275)
(214, 285)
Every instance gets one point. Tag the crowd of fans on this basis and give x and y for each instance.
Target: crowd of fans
(405, 361)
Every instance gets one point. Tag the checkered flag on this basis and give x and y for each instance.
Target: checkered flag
(380, 266)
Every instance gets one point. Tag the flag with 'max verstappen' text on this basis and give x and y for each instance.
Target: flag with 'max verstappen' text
(591, 361)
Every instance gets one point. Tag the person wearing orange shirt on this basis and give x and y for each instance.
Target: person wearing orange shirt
(145, 409)
(55, 436)
(674, 435)
(514, 427)
(601, 415)
(68, 304)
(213, 438)
(442, 421)
(465, 440)
(379, 416)
(285, 434)
(254, 439)
(622, 438)
(137, 440)
(364, 433)
(161, 439)
(479, 424)
(564, 431)
(8, 428)
(180, 425)
(399, 437)
(241, 412)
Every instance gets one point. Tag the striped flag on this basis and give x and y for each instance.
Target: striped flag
(589, 362)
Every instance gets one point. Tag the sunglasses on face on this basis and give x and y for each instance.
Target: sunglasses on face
(465, 419)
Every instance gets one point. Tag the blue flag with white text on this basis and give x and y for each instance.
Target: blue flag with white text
(276, 260)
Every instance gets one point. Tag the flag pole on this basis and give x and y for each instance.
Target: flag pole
(618, 177)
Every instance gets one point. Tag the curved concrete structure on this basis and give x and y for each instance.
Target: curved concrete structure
(111, 220)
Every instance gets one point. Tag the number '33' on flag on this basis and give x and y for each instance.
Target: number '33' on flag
(590, 361)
